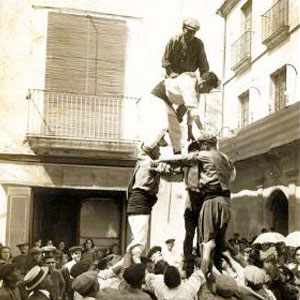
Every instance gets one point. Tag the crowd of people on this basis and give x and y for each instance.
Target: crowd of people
(215, 268)
(249, 271)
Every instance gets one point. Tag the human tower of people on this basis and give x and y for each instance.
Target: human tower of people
(215, 269)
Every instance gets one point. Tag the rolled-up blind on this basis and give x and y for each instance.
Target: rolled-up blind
(85, 55)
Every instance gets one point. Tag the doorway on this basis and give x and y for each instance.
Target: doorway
(72, 216)
(279, 212)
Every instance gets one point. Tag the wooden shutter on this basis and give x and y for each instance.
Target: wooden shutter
(85, 61)
(18, 216)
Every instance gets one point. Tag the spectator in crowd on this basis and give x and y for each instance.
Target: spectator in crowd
(114, 256)
(170, 286)
(37, 243)
(10, 274)
(88, 250)
(171, 256)
(38, 284)
(58, 284)
(155, 254)
(86, 285)
(133, 278)
(23, 259)
(36, 256)
(5, 255)
(76, 254)
(61, 248)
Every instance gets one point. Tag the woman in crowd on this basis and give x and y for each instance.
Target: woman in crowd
(5, 255)
(89, 251)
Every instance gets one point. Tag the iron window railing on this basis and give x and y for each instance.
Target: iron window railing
(275, 19)
(241, 49)
(65, 114)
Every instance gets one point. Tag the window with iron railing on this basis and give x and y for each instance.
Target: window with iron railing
(275, 19)
(279, 87)
(244, 104)
(241, 50)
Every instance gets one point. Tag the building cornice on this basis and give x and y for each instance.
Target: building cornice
(226, 7)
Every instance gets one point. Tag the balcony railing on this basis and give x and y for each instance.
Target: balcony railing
(275, 20)
(81, 116)
(241, 52)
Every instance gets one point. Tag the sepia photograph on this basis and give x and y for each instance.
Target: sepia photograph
(149, 149)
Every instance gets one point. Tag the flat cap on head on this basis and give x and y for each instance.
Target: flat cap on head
(191, 24)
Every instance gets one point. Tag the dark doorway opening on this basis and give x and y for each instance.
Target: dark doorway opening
(279, 209)
(72, 216)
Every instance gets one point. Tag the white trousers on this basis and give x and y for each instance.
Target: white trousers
(157, 118)
(139, 225)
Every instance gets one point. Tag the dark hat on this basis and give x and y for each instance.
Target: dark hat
(76, 248)
(7, 269)
(152, 251)
(172, 277)
(170, 241)
(35, 250)
(80, 267)
(34, 277)
(83, 282)
(134, 274)
(22, 244)
(191, 24)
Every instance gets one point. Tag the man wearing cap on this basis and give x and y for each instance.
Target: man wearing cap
(170, 255)
(37, 283)
(23, 259)
(185, 52)
(57, 288)
(76, 253)
(154, 254)
(214, 178)
(10, 274)
(142, 193)
(35, 255)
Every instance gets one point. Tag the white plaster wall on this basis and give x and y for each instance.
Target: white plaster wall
(3, 215)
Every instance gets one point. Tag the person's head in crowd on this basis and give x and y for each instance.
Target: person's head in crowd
(189, 28)
(243, 245)
(81, 267)
(5, 254)
(76, 253)
(64, 259)
(154, 254)
(170, 243)
(297, 255)
(10, 274)
(115, 249)
(255, 277)
(286, 275)
(37, 279)
(49, 243)
(50, 262)
(49, 250)
(88, 244)
(264, 230)
(23, 247)
(254, 258)
(136, 252)
(160, 267)
(236, 235)
(172, 277)
(134, 275)
(36, 254)
(61, 246)
(86, 284)
(37, 243)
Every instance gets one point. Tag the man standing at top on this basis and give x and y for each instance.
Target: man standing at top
(185, 52)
